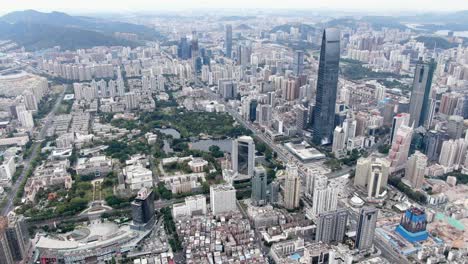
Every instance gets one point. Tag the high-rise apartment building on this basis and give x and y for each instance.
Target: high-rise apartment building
(331, 226)
(259, 186)
(243, 155)
(222, 199)
(26, 119)
(324, 197)
(400, 148)
(398, 120)
(415, 168)
(419, 101)
(327, 82)
(292, 187)
(366, 228)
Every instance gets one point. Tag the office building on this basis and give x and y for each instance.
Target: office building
(14, 239)
(412, 225)
(5, 252)
(292, 187)
(183, 49)
(398, 120)
(372, 174)
(339, 142)
(143, 208)
(327, 82)
(264, 113)
(400, 148)
(455, 127)
(253, 110)
(227, 89)
(302, 115)
(415, 168)
(243, 155)
(419, 101)
(432, 144)
(222, 199)
(366, 228)
(259, 186)
(298, 62)
(228, 41)
(274, 192)
(331, 226)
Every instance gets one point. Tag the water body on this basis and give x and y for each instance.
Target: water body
(224, 145)
(169, 131)
(455, 33)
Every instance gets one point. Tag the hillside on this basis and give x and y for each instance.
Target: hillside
(36, 30)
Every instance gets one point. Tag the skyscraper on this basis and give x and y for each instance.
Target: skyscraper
(325, 197)
(228, 40)
(143, 207)
(14, 239)
(419, 101)
(259, 186)
(331, 226)
(415, 167)
(253, 110)
(243, 155)
(366, 228)
(298, 62)
(324, 111)
(372, 173)
(183, 50)
(398, 120)
(5, 253)
(400, 148)
(292, 187)
(222, 199)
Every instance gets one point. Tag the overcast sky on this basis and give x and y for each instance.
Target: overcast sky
(77, 6)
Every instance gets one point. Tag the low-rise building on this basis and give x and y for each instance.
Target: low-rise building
(193, 205)
(97, 166)
(137, 177)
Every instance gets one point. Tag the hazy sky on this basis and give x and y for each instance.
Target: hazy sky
(155, 5)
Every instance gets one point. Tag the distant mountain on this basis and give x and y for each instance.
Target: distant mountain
(376, 22)
(243, 27)
(456, 21)
(303, 28)
(36, 30)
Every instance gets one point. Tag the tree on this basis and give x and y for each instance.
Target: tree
(216, 151)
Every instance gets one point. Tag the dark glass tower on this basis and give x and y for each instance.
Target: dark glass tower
(366, 228)
(228, 41)
(259, 186)
(419, 102)
(327, 82)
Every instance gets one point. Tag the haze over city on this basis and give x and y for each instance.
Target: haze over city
(160, 5)
(279, 132)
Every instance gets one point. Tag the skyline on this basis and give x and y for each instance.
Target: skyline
(88, 6)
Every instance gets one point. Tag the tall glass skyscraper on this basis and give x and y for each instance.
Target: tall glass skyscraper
(259, 186)
(243, 155)
(419, 102)
(327, 82)
(228, 41)
(366, 228)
